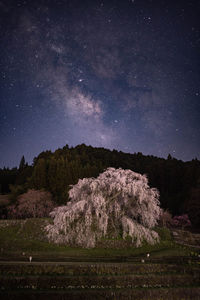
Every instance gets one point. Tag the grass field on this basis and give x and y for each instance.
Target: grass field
(171, 272)
(21, 238)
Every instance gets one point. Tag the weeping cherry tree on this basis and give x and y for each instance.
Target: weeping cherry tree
(118, 203)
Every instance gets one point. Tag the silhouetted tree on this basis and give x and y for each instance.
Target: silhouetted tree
(22, 163)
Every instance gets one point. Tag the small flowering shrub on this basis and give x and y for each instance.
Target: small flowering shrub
(117, 202)
(181, 221)
(32, 204)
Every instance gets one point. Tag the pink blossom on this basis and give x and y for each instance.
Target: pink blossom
(117, 200)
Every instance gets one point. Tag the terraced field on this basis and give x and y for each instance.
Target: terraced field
(172, 271)
(152, 279)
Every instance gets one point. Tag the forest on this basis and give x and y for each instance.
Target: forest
(178, 182)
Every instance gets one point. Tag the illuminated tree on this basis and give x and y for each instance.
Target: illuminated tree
(116, 203)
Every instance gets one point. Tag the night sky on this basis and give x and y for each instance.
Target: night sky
(114, 74)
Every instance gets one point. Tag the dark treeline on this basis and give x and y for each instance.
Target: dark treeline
(177, 181)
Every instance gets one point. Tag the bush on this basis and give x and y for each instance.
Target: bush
(4, 202)
(181, 221)
(164, 233)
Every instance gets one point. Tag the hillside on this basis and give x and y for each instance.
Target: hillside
(177, 181)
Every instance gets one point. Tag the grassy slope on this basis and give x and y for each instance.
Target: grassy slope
(28, 236)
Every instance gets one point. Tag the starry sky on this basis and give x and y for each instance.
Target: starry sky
(118, 74)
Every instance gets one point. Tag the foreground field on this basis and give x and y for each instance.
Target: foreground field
(177, 279)
(172, 271)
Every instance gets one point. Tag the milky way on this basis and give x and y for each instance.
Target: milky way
(115, 74)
